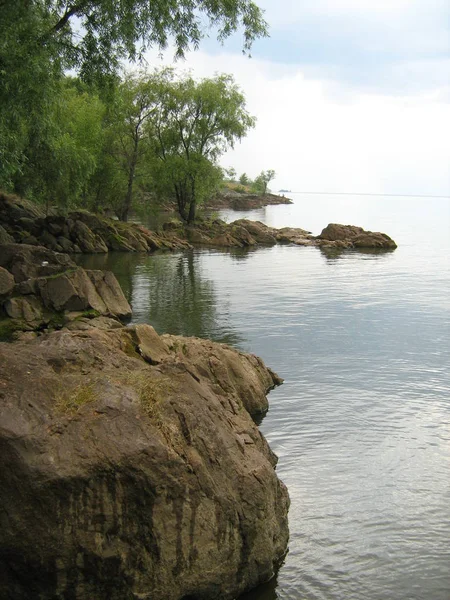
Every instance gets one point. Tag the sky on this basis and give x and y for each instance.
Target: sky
(350, 96)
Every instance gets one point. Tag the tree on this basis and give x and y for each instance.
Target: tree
(40, 39)
(107, 31)
(231, 173)
(194, 124)
(262, 181)
(243, 179)
(135, 102)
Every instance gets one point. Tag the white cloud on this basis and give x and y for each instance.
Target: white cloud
(324, 136)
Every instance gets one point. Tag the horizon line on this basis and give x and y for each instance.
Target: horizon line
(364, 194)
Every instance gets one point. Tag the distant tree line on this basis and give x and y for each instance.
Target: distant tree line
(259, 185)
(100, 139)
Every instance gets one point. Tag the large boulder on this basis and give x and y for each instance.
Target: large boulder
(121, 479)
(260, 232)
(350, 236)
(83, 237)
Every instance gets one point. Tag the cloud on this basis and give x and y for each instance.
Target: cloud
(350, 95)
(361, 42)
(323, 135)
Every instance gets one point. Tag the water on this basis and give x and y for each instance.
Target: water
(362, 423)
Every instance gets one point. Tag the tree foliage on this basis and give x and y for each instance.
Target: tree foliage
(195, 122)
(261, 182)
(40, 39)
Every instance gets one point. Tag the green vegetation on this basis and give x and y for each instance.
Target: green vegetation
(70, 401)
(150, 390)
(262, 181)
(101, 140)
(8, 328)
(245, 185)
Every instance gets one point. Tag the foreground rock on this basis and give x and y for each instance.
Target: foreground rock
(349, 236)
(40, 288)
(131, 468)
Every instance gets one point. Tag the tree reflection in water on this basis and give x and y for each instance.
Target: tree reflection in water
(170, 293)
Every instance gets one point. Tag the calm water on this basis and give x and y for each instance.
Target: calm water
(362, 423)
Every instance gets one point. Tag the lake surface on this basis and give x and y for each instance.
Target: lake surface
(362, 423)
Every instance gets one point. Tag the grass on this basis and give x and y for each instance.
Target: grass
(71, 401)
(57, 275)
(151, 391)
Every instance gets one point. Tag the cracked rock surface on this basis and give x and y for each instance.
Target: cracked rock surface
(131, 468)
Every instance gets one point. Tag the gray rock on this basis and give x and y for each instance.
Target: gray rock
(71, 291)
(28, 310)
(25, 261)
(48, 240)
(66, 245)
(6, 282)
(85, 239)
(109, 290)
(149, 344)
(5, 238)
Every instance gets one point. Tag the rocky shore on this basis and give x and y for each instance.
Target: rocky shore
(245, 201)
(83, 232)
(130, 464)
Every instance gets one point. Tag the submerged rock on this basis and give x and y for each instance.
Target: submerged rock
(131, 468)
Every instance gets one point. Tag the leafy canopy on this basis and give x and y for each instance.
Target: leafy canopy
(40, 39)
(98, 32)
(194, 123)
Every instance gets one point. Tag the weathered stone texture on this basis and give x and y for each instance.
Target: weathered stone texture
(122, 480)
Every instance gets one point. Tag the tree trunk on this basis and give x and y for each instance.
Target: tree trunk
(192, 211)
(129, 195)
(192, 203)
(180, 194)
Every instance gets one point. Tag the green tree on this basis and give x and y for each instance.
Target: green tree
(135, 103)
(77, 145)
(194, 124)
(231, 173)
(29, 74)
(261, 182)
(244, 180)
(39, 39)
(108, 30)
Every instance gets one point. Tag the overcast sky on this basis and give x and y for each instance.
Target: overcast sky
(349, 95)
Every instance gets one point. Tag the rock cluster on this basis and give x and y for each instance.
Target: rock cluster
(131, 468)
(40, 288)
(240, 234)
(80, 231)
(349, 236)
(244, 201)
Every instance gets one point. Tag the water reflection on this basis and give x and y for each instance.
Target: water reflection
(332, 253)
(267, 591)
(170, 292)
